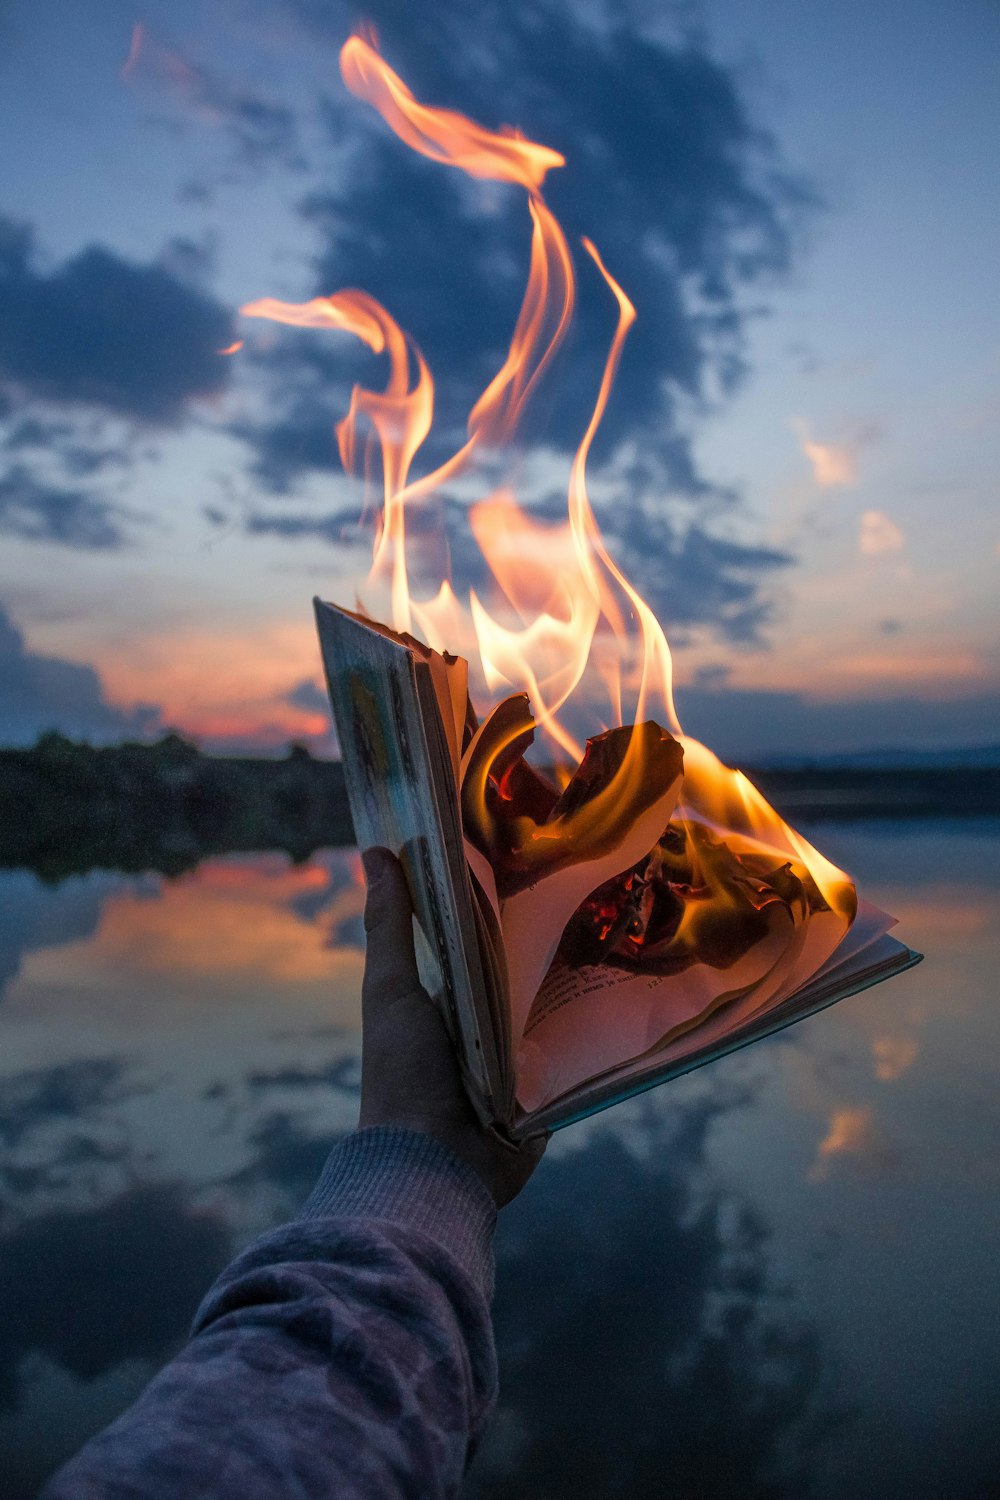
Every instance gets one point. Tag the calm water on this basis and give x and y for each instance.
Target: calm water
(775, 1277)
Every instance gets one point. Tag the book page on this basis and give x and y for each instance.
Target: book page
(863, 936)
(533, 920)
(881, 958)
(595, 1019)
(589, 1019)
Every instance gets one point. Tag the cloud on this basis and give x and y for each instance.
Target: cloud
(38, 693)
(48, 486)
(692, 1319)
(849, 1130)
(893, 1056)
(72, 1092)
(33, 916)
(261, 130)
(286, 1156)
(686, 574)
(307, 695)
(342, 1073)
(49, 451)
(833, 466)
(665, 169)
(760, 727)
(693, 577)
(102, 332)
(301, 439)
(878, 536)
(854, 1133)
(689, 207)
(41, 512)
(148, 1255)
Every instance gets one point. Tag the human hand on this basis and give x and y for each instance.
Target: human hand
(409, 1072)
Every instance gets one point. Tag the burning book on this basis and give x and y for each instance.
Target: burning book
(592, 941)
(595, 917)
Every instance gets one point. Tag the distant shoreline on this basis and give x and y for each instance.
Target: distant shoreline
(69, 807)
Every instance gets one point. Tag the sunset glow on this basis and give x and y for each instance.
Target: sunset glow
(822, 527)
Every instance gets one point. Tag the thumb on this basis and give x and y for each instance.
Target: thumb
(390, 962)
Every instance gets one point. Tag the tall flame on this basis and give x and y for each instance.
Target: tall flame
(562, 612)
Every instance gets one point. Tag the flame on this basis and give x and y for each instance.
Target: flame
(442, 134)
(560, 617)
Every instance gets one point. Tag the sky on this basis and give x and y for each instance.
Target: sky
(798, 466)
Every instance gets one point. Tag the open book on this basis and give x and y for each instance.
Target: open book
(554, 1009)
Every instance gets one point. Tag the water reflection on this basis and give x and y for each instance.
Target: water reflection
(90, 1288)
(771, 1278)
(33, 915)
(662, 1358)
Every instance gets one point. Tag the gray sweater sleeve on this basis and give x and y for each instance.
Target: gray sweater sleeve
(349, 1353)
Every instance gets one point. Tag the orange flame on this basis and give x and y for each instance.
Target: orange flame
(442, 134)
(563, 615)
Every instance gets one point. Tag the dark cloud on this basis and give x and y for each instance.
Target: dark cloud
(101, 332)
(287, 1157)
(686, 574)
(263, 131)
(50, 454)
(338, 905)
(83, 460)
(38, 693)
(191, 261)
(32, 432)
(704, 579)
(666, 170)
(91, 1288)
(42, 512)
(307, 695)
(300, 439)
(260, 130)
(343, 1073)
(61, 1132)
(674, 1368)
(329, 527)
(71, 1092)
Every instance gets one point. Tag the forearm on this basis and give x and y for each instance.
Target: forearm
(349, 1353)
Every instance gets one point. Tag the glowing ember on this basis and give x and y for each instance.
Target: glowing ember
(726, 877)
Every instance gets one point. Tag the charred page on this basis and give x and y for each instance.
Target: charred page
(590, 939)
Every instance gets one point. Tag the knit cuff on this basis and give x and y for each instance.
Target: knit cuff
(408, 1178)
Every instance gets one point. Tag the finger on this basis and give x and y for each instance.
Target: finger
(390, 962)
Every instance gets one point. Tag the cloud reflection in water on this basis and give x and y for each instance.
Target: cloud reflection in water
(683, 1305)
